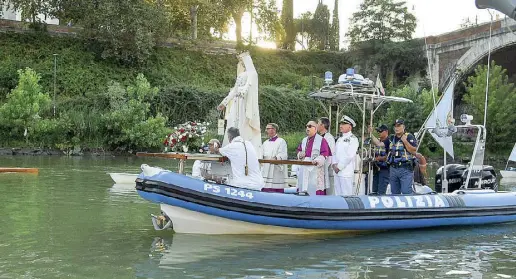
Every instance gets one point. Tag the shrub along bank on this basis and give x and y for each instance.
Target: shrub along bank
(97, 103)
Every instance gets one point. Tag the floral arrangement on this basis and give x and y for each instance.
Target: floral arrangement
(186, 136)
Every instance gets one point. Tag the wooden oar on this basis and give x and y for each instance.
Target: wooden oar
(25, 170)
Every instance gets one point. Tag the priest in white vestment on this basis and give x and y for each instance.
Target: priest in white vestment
(275, 148)
(323, 127)
(241, 104)
(245, 166)
(315, 149)
(344, 159)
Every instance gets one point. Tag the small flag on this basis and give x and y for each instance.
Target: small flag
(379, 86)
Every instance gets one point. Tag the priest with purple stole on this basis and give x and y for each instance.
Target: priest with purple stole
(314, 148)
(323, 127)
(275, 148)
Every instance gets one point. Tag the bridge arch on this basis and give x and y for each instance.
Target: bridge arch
(480, 51)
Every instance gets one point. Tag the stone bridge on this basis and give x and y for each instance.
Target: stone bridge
(461, 50)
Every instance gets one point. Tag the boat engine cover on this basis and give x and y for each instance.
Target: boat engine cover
(457, 175)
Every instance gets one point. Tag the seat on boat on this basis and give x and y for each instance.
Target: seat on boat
(422, 189)
(220, 171)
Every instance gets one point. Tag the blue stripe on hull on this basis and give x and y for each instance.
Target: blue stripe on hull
(330, 225)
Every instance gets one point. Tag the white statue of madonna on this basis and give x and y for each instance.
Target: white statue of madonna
(241, 104)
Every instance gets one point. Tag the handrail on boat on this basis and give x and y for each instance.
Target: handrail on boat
(182, 157)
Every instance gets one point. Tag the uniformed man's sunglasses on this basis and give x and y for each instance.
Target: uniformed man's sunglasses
(310, 126)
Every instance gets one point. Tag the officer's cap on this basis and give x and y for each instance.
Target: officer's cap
(382, 128)
(347, 120)
(399, 122)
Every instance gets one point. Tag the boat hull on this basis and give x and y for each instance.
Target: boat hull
(198, 207)
(194, 222)
(508, 174)
(123, 178)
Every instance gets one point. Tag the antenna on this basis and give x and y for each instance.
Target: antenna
(488, 67)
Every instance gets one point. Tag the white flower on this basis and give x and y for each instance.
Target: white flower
(190, 136)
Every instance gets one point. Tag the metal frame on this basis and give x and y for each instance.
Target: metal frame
(478, 155)
(366, 99)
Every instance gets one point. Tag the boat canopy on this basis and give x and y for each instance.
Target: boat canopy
(366, 97)
(348, 93)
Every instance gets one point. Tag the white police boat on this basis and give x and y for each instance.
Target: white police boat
(190, 205)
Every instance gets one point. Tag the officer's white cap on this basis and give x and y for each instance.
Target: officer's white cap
(346, 119)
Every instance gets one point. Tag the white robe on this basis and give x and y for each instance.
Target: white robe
(310, 179)
(345, 158)
(242, 109)
(275, 175)
(236, 154)
(328, 170)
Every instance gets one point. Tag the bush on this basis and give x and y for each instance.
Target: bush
(128, 125)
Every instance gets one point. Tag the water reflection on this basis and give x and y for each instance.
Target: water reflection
(467, 252)
(71, 221)
(123, 189)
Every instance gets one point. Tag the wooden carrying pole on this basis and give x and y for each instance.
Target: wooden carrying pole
(217, 158)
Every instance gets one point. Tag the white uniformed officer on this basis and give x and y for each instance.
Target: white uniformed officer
(344, 158)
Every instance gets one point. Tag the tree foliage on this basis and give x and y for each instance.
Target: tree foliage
(502, 98)
(304, 29)
(381, 20)
(321, 27)
(414, 113)
(25, 102)
(335, 28)
(129, 124)
(30, 9)
(287, 20)
(395, 62)
(125, 30)
(268, 21)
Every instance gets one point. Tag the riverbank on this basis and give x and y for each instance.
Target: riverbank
(16, 151)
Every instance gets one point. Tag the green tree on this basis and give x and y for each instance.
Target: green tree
(203, 15)
(25, 102)
(125, 30)
(381, 20)
(501, 101)
(237, 9)
(30, 9)
(287, 20)
(413, 113)
(129, 124)
(335, 28)
(268, 21)
(321, 27)
(304, 28)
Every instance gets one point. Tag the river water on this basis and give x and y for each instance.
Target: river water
(71, 221)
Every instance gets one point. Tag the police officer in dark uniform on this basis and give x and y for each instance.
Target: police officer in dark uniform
(381, 169)
(400, 158)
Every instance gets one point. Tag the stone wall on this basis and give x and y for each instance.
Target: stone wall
(463, 33)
